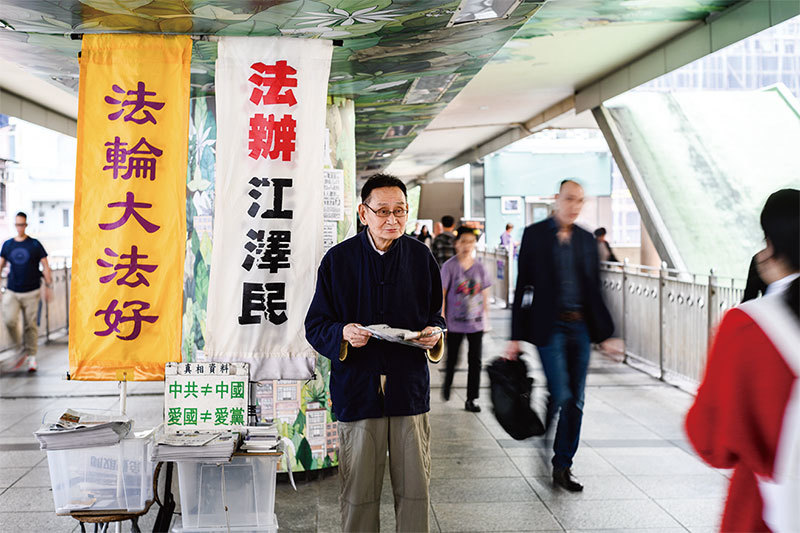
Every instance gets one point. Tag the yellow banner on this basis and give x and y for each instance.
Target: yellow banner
(130, 206)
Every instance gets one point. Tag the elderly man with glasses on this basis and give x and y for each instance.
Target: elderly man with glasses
(380, 390)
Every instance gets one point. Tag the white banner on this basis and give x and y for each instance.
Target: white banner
(271, 97)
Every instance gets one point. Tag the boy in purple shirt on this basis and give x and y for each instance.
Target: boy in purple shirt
(465, 286)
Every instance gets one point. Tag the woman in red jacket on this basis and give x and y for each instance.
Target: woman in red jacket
(747, 412)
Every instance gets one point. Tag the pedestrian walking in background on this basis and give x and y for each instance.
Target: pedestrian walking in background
(559, 308)
(746, 415)
(443, 246)
(425, 237)
(506, 240)
(24, 254)
(604, 251)
(465, 290)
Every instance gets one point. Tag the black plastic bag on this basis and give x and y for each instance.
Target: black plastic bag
(511, 397)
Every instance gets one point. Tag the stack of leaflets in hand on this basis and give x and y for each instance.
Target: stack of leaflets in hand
(76, 429)
(260, 439)
(198, 446)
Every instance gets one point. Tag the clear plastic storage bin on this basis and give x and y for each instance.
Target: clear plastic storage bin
(246, 485)
(118, 477)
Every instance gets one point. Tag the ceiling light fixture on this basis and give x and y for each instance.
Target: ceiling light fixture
(482, 11)
(380, 154)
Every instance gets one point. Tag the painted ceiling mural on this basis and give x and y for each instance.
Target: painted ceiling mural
(570, 15)
(383, 46)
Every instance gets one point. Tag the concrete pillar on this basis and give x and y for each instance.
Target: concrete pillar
(649, 255)
(340, 122)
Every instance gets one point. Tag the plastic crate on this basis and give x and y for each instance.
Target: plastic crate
(238, 529)
(118, 477)
(246, 486)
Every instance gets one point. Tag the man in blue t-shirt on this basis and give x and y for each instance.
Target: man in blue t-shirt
(24, 254)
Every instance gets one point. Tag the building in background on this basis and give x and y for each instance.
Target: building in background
(332, 439)
(288, 394)
(767, 58)
(265, 401)
(316, 434)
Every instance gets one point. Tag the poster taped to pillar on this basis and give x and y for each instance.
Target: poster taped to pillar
(329, 236)
(333, 191)
(130, 200)
(271, 97)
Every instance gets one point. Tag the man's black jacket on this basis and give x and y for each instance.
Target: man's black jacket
(537, 272)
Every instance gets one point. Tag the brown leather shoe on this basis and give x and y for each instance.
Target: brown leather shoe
(562, 477)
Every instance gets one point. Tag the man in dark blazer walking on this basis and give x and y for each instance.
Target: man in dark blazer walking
(559, 308)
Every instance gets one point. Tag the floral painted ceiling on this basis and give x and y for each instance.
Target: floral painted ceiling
(384, 47)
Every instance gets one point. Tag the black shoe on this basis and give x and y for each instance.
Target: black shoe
(445, 394)
(472, 407)
(562, 477)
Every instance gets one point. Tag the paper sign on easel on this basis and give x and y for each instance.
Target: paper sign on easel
(205, 396)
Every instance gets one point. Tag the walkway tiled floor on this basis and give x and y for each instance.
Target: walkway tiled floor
(634, 460)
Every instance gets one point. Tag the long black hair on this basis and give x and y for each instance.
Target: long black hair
(780, 220)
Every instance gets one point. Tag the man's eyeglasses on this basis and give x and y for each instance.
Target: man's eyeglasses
(383, 212)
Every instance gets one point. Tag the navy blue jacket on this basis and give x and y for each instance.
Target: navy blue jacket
(537, 270)
(401, 288)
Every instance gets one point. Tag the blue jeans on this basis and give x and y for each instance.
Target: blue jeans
(565, 360)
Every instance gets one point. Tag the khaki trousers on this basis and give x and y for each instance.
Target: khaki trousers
(362, 463)
(28, 303)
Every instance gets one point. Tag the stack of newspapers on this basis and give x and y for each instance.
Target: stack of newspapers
(76, 429)
(199, 446)
(260, 439)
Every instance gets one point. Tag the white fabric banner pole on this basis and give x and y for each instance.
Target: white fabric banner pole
(271, 97)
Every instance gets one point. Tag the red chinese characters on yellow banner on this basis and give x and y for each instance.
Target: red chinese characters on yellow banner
(130, 201)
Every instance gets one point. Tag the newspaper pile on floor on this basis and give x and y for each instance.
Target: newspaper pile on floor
(76, 429)
(196, 446)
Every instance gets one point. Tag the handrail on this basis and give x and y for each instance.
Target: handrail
(667, 317)
(499, 263)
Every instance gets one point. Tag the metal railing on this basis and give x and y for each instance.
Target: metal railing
(667, 317)
(53, 316)
(499, 264)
